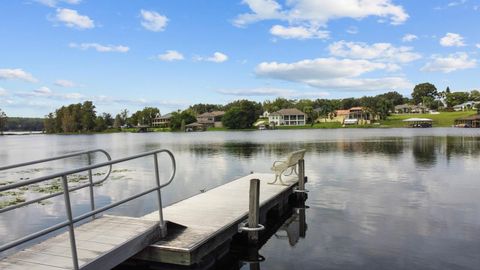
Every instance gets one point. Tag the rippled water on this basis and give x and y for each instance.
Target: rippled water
(379, 198)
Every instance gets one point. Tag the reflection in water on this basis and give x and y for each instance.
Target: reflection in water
(380, 199)
(294, 228)
(424, 150)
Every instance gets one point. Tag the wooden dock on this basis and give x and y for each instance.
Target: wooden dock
(210, 219)
(197, 226)
(102, 243)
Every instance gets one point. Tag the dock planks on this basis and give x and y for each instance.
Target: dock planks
(101, 244)
(209, 219)
(202, 224)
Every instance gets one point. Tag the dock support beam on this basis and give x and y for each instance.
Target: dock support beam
(301, 180)
(254, 210)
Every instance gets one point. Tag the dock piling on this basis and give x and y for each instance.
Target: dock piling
(254, 210)
(301, 180)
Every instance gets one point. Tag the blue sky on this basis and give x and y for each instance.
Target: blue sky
(170, 54)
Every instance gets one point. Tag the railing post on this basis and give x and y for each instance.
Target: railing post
(254, 210)
(163, 228)
(90, 179)
(68, 208)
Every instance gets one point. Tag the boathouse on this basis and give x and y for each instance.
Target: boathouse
(468, 122)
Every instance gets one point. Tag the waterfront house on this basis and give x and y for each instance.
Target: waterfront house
(465, 106)
(211, 119)
(288, 117)
(162, 121)
(358, 115)
(336, 116)
(407, 108)
(195, 127)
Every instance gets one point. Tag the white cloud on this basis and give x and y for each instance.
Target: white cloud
(332, 73)
(16, 73)
(316, 12)
(271, 92)
(171, 55)
(100, 48)
(379, 51)
(452, 40)
(3, 92)
(46, 93)
(450, 63)
(106, 100)
(64, 83)
(153, 21)
(456, 3)
(217, 57)
(43, 91)
(54, 3)
(477, 45)
(409, 38)
(298, 32)
(352, 30)
(71, 18)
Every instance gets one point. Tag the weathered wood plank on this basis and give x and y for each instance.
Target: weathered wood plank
(101, 244)
(210, 219)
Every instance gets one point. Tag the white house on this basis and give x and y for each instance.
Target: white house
(466, 106)
(288, 117)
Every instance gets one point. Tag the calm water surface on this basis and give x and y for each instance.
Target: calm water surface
(379, 199)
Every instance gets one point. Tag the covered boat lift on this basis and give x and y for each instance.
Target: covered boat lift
(419, 122)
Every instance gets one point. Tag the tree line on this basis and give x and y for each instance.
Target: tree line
(82, 117)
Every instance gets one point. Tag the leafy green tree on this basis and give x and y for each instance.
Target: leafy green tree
(278, 104)
(100, 123)
(186, 117)
(49, 123)
(108, 119)
(117, 123)
(144, 117)
(252, 110)
(3, 121)
(326, 110)
(236, 118)
(88, 116)
(384, 107)
(311, 114)
(394, 97)
(182, 125)
(24, 124)
(456, 98)
(304, 103)
(203, 108)
(348, 103)
(474, 95)
(424, 90)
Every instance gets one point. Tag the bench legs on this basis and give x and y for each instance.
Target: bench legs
(278, 176)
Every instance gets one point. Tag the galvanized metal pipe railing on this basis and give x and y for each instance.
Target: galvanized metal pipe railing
(91, 183)
(66, 191)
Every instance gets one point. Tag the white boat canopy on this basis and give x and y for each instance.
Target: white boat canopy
(418, 120)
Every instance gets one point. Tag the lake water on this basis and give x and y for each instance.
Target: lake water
(379, 198)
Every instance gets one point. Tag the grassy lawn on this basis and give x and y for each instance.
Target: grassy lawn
(227, 129)
(444, 119)
(317, 125)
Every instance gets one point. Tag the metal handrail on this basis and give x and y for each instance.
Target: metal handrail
(90, 183)
(66, 191)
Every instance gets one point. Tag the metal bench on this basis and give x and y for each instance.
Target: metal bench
(279, 167)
